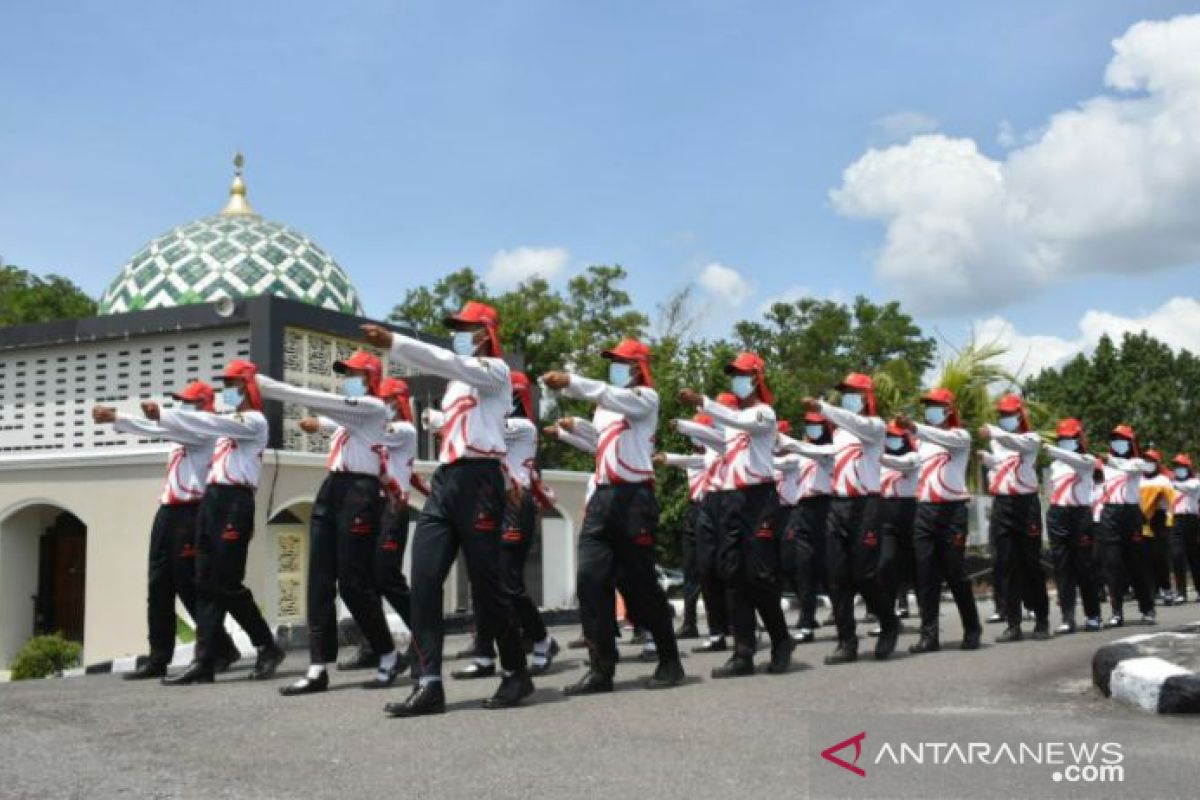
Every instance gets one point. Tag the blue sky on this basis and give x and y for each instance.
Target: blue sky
(414, 138)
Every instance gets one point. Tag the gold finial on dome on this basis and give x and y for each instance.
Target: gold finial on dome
(238, 205)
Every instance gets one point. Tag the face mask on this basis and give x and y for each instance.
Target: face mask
(852, 402)
(1119, 446)
(935, 415)
(742, 386)
(232, 396)
(894, 443)
(1070, 445)
(620, 375)
(464, 343)
(1181, 473)
(814, 431)
(1010, 423)
(354, 386)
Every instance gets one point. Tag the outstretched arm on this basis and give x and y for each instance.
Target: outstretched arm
(354, 412)
(636, 402)
(868, 429)
(207, 426)
(757, 419)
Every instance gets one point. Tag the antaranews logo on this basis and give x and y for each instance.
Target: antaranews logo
(855, 741)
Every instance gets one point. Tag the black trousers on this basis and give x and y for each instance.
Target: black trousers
(748, 560)
(223, 535)
(1071, 549)
(712, 586)
(1123, 549)
(852, 546)
(940, 542)
(806, 535)
(1016, 529)
(897, 559)
(617, 541)
(1160, 562)
(691, 572)
(465, 510)
(343, 535)
(1185, 551)
(171, 573)
(520, 526)
(388, 570)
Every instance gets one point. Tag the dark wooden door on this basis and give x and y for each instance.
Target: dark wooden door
(70, 558)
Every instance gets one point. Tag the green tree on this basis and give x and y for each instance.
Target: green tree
(26, 298)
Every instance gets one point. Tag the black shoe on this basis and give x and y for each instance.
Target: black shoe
(804, 636)
(512, 690)
(1041, 631)
(688, 630)
(270, 656)
(711, 646)
(1149, 618)
(543, 668)
(996, 617)
(735, 667)
(1115, 621)
(971, 639)
(843, 654)
(781, 657)
(151, 668)
(471, 651)
(195, 673)
(306, 686)
(593, 682)
(648, 656)
(903, 612)
(427, 698)
(1011, 634)
(926, 644)
(363, 658)
(577, 644)
(474, 670)
(384, 680)
(668, 674)
(639, 637)
(1067, 627)
(886, 644)
(869, 618)
(227, 659)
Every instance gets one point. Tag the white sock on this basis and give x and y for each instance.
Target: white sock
(542, 647)
(428, 679)
(387, 661)
(315, 671)
(484, 662)
(716, 637)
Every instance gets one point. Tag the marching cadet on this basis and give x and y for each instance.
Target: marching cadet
(1185, 533)
(1156, 499)
(788, 475)
(852, 533)
(225, 522)
(520, 526)
(1121, 542)
(1016, 524)
(466, 504)
(617, 536)
(1069, 523)
(344, 529)
(900, 467)
(940, 527)
(805, 528)
(748, 525)
(172, 562)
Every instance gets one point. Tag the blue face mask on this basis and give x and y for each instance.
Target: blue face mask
(232, 397)
(852, 402)
(463, 343)
(1070, 445)
(1181, 473)
(894, 443)
(814, 431)
(742, 386)
(1119, 446)
(935, 415)
(354, 386)
(620, 375)
(1010, 423)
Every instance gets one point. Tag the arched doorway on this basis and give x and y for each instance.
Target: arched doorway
(43, 576)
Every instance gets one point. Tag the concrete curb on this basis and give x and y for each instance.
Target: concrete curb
(1133, 671)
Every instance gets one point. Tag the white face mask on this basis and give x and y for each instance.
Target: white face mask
(620, 375)
(1010, 423)
(814, 431)
(1181, 473)
(935, 415)
(1070, 445)
(852, 402)
(463, 343)
(1119, 446)
(232, 396)
(894, 443)
(742, 386)
(354, 386)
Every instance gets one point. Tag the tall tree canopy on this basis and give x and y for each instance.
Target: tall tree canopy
(26, 298)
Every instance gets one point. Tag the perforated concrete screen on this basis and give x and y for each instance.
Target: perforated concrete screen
(47, 392)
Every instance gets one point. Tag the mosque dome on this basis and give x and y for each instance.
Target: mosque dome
(235, 253)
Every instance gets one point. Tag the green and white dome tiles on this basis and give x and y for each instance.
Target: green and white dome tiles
(235, 253)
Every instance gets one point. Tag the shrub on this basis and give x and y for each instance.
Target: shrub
(43, 656)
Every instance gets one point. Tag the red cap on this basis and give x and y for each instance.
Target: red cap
(1069, 428)
(635, 351)
(524, 390)
(1126, 432)
(729, 400)
(815, 417)
(368, 363)
(1182, 460)
(1153, 455)
(942, 396)
(475, 313)
(703, 419)
(200, 393)
(861, 383)
(1012, 404)
(784, 427)
(752, 364)
(396, 389)
(895, 430)
(247, 371)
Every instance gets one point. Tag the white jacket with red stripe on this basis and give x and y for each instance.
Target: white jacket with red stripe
(856, 449)
(1012, 462)
(944, 454)
(239, 440)
(712, 439)
(1071, 477)
(900, 475)
(1187, 497)
(750, 435)
(187, 466)
(693, 464)
(625, 422)
(814, 473)
(357, 443)
(400, 446)
(1123, 480)
(521, 438)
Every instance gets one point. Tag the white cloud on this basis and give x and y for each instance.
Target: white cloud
(724, 283)
(1176, 323)
(1006, 137)
(509, 267)
(903, 124)
(1112, 185)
